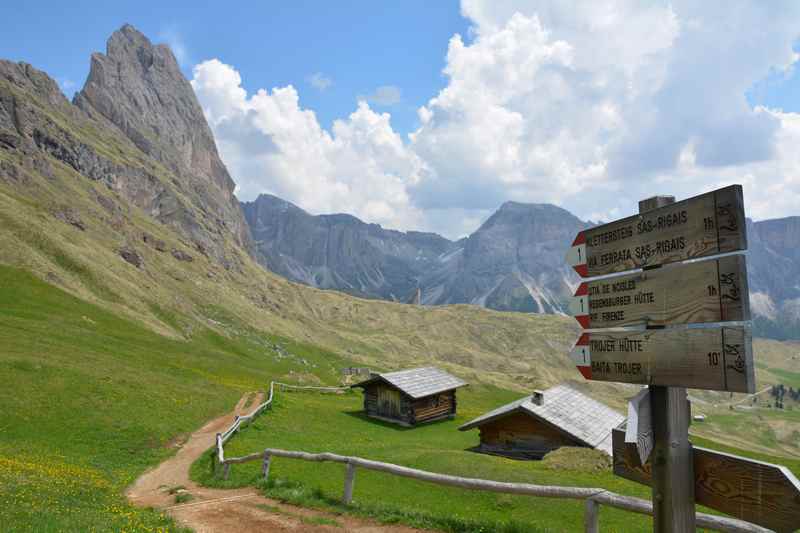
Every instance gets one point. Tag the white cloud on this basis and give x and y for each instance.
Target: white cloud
(319, 81)
(595, 105)
(385, 95)
(272, 145)
(592, 105)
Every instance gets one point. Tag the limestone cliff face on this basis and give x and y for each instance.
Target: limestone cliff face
(773, 271)
(137, 128)
(140, 88)
(513, 262)
(340, 251)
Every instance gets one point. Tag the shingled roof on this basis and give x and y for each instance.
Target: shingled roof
(574, 413)
(417, 382)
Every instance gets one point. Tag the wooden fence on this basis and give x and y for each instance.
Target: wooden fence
(222, 438)
(593, 497)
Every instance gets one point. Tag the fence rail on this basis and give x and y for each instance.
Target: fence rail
(593, 497)
(223, 437)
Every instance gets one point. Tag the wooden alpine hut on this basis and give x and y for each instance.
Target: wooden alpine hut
(411, 397)
(532, 426)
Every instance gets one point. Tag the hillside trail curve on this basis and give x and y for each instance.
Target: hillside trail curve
(233, 510)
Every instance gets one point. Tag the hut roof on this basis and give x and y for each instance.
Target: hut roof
(417, 382)
(585, 419)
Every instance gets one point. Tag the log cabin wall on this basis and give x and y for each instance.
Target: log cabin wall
(519, 432)
(371, 399)
(384, 401)
(434, 407)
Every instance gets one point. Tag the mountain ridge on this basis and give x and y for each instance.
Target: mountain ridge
(446, 271)
(513, 262)
(139, 88)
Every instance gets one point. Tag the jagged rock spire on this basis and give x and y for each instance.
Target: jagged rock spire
(140, 88)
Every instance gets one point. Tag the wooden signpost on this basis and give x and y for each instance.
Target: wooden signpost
(706, 225)
(758, 492)
(673, 353)
(694, 293)
(708, 358)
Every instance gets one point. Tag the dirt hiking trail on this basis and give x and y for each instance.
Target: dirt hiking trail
(232, 510)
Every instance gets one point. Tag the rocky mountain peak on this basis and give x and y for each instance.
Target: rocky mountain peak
(140, 88)
(32, 80)
(129, 46)
(520, 222)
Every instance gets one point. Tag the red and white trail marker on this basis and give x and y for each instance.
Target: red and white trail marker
(576, 256)
(579, 306)
(582, 356)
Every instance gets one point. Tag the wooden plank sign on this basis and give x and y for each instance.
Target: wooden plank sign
(698, 292)
(706, 225)
(710, 358)
(758, 492)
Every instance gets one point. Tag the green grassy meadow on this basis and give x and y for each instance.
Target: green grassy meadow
(335, 423)
(90, 400)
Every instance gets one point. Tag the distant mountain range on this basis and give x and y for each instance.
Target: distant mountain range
(513, 262)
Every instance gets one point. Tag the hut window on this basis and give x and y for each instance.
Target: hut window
(435, 401)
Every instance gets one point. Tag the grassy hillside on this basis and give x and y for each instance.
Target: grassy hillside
(90, 400)
(336, 423)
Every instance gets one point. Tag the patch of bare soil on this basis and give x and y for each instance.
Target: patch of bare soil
(232, 510)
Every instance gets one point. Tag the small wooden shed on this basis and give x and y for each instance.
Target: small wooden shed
(411, 397)
(532, 426)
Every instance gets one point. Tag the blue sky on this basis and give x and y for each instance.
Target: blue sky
(357, 45)
(588, 105)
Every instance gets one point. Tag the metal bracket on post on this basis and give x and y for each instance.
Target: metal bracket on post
(671, 459)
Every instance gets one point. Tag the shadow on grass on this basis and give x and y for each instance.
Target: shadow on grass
(361, 415)
(518, 455)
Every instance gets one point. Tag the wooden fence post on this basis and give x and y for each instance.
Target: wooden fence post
(265, 467)
(349, 479)
(591, 517)
(211, 456)
(227, 471)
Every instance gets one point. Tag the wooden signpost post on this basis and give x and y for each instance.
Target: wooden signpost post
(680, 306)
